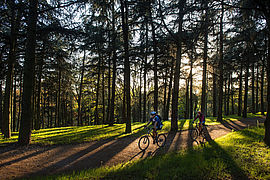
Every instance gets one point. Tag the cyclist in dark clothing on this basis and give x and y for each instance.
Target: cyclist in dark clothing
(156, 122)
(201, 119)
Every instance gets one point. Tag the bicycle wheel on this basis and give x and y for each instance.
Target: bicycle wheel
(161, 140)
(194, 133)
(143, 143)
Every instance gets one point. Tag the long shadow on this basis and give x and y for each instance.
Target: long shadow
(25, 157)
(91, 161)
(178, 140)
(235, 171)
(169, 140)
(73, 137)
(228, 125)
(238, 125)
(141, 154)
(189, 138)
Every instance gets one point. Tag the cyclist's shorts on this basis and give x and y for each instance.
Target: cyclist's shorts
(202, 123)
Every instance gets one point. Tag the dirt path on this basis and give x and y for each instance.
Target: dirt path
(17, 162)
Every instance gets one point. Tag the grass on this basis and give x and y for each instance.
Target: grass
(238, 155)
(77, 134)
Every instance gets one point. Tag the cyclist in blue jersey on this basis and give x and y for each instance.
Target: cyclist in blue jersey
(156, 122)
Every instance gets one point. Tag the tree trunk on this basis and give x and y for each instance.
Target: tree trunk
(175, 92)
(262, 88)
(59, 119)
(240, 91)
(97, 93)
(145, 70)
(220, 66)
(267, 120)
(6, 126)
(187, 99)
(14, 105)
(246, 91)
(114, 59)
(253, 89)
(155, 63)
(1, 106)
(214, 92)
(257, 89)
(109, 92)
(79, 118)
(40, 68)
(228, 94)
(29, 70)
(103, 94)
(232, 93)
(124, 14)
(205, 49)
(191, 91)
(165, 91)
(225, 96)
(140, 97)
(166, 117)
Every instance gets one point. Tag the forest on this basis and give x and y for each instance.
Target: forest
(86, 62)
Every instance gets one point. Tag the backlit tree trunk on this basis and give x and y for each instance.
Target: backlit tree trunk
(29, 70)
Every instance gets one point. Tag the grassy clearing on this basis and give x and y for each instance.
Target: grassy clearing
(76, 134)
(238, 155)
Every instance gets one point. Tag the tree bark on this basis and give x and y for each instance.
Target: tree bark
(262, 88)
(124, 15)
(29, 70)
(214, 92)
(166, 117)
(14, 105)
(175, 92)
(155, 63)
(103, 94)
(1, 106)
(114, 59)
(220, 66)
(246, 90)
(97, 92)
(6, 123)
(59, 99)
(267, 120)
(165, 91)
(187, 99)
(145, 70)
(79, 118)
(257, 89)
(253, 89)
(232, 93)
(190, 90)
(205, 49)
(240, 91)
(38, 108)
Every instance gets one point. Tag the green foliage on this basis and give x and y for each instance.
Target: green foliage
(238, 155)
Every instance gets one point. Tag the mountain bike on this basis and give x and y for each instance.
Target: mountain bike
(144, 141)
(195, 132)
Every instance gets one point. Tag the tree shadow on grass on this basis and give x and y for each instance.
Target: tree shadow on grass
(230, 126)
(217, 153)
(78, 137)
(93, 156)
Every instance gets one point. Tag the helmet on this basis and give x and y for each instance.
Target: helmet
(153, 113)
